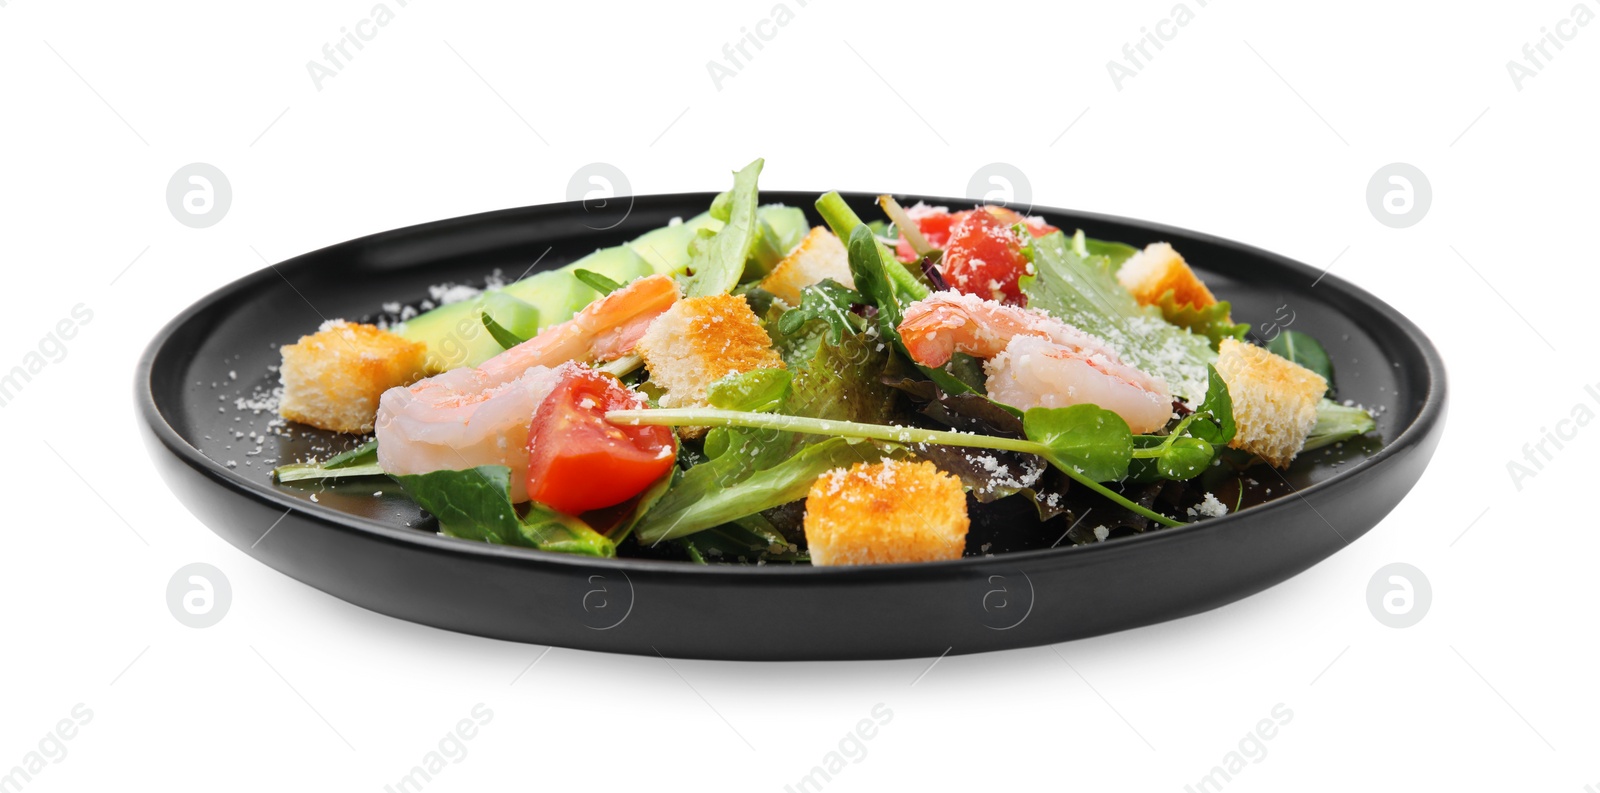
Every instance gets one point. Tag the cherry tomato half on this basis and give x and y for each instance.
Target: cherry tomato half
(984, 257)
(578, 461)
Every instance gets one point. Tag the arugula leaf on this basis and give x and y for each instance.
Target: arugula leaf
(1092, 440)
(509, 321)
(360, 461)
(475, 504)
(1302, 349)
(718, 262)
(1214, 322)
(596, 281)
(698, 501)
(868, 269)
(828, 302)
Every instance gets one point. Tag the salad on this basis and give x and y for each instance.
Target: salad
(742, 387)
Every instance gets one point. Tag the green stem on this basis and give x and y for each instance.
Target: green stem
(622, 367)
(1157, 451)
(843, 220)
(712, 417)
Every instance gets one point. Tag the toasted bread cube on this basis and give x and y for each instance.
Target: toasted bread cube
(885, 512)
(1274, 400)
(1149, 273)
(701, 340)
(818, 257)
(332, 379)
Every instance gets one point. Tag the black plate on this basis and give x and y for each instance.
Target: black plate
(363, 547)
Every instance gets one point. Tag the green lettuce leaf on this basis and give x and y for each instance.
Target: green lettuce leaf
(718, 262)
(698, 501)
(475, 504)
(1083, 291)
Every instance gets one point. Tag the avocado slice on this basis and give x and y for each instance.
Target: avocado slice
(455, 334)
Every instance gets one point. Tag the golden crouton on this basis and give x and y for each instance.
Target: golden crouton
(818, 257)
(1274, 400)
(1150, 273)
(332, 379)
(885, 512)
(700, 340)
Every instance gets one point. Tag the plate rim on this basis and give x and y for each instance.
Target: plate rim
(1430, 414)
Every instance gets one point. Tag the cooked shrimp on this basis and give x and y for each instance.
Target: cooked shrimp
(469, 417)
(604, 330)
(1033, 359)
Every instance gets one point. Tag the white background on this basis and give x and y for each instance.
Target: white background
(1259, 121)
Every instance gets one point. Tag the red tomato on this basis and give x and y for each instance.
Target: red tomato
(935, 226)
(578, 461)
(984, 258)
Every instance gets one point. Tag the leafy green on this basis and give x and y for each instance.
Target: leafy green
(1215, 322)
(1336, 422)
(698, 501)
(757, 390)
(360, 461)
(1302, 349)
(1083, 292)
(1115, 253)
(475, 504)
(869, 263)
(718, 262)
(1090, 439)
(596, 281)
(827, 302)
(1214, 416)
(844, 381)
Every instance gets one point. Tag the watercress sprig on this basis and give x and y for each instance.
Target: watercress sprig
(1086, 442)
